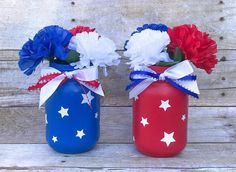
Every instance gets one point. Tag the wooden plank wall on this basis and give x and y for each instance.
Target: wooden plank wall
(116, 19)
(212, 118)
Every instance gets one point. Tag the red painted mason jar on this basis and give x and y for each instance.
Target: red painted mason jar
(160, 115)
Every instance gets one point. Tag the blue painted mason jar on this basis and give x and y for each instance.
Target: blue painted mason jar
(72, 116)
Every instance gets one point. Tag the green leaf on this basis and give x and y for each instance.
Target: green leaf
(167, 64)
(73, 57)
(58, 61)
(178, 56)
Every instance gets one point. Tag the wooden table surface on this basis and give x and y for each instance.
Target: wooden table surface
(212, 118)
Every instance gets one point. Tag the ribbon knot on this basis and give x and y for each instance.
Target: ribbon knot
(69, 75)
(52, 78)
(178, 76)
(161, 77)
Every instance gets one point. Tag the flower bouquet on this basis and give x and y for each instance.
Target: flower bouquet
(161, 81)
(69, 85)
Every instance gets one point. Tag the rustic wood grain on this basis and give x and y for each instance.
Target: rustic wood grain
(113, 169)
(26, 125)
(212, 119)
(115, 19)
(123, 155)
(99, 169)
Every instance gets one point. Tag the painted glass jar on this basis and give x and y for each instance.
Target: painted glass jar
(160, 116)
(72, 116)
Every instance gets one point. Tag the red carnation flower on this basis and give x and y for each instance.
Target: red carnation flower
(80, 29)
(196, 46)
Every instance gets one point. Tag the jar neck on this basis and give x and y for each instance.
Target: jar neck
(62, 67)
(158, 69)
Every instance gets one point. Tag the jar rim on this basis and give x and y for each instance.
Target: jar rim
(158, 69)
(62, 67)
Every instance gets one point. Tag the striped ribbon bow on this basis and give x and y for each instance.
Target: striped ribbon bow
(178, 76)
(52, 78)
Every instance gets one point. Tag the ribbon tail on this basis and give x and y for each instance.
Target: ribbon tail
(140, 88)
(190, 85)
(48, 89)
(97, 90)
(134, 83)
(187, 86)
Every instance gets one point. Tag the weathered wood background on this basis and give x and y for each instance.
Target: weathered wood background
(212, 120)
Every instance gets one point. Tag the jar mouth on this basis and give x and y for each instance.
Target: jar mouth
(158, 69)
(62, 67)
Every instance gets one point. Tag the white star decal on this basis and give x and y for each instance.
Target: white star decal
(168, 138)
(96, 115)
(46, 119)
(133, 139)
(54, 139)
(183, 117)
(63, 112)
(87, 98)
(144, 121)
(80, 134)
(165, 105)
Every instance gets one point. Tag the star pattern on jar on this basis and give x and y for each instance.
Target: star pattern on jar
(183, 117)
(168, 138)
(87, 98)
(54, 139)
(144, 121)
(46, 118)
(165, 105)
(66, 113)
(80, 133)
(63, 111)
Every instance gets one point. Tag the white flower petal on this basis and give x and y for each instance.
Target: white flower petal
(147, 48)
(95, 49)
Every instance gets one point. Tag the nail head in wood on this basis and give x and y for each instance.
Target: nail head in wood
(221, 2)
(222, 19)
(223, 58)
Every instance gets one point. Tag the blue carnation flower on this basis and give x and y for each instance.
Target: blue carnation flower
(153, 26)
(48, 43)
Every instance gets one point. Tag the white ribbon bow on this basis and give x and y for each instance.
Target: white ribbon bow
(175, 72)
(88, 74)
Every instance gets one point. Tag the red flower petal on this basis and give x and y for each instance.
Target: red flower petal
(80, 29)
(196, 46)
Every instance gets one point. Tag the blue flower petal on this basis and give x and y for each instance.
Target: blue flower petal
(24, 65)
(49, 42)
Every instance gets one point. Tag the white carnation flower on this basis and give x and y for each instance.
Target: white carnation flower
(148, 48)
(94, 49)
